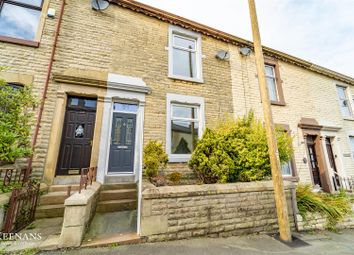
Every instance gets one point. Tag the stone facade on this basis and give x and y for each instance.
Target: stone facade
(92, 45)
(210, 210)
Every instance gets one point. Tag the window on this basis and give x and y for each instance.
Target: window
(184, 55)
(343, 101)
(287, 168)
(184, 125)
(351, 138)
(272, 83)
(20, 19)
(275, 89)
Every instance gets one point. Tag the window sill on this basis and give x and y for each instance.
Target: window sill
(182, 78)
(278, 103)
(349, 118)
(182, 158)
(19, 41)
(290, 178)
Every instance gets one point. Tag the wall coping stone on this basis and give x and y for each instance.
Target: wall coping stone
(210, 189)
(84, 197)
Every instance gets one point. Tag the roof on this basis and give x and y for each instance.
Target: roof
(223, 36)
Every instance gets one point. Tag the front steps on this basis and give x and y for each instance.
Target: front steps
(117, 197)
(51, 204)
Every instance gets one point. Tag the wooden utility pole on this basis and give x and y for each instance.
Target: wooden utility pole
(279, 194)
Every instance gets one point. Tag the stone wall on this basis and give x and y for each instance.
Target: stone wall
(79, 211)
(315, 221)
(180, 212)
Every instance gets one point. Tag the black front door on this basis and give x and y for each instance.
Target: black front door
(313, 160)
(76, 143)
(121, 154)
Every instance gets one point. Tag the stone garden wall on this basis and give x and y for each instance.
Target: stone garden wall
(315, 221)
(179, 212)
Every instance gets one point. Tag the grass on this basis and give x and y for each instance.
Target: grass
(334, 207)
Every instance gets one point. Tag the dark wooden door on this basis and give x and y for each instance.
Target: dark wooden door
(332, 161)
(76, 143)
(313, 160)
(121, 154)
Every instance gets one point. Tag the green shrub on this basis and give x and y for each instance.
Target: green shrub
(237, 150)
(333, 207)
(155, 158)
(15, 120)
(175, 177)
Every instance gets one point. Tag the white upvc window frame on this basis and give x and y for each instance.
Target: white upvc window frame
(190, 35)
(273, 77)
(349, 100)
(350, 137)
(182, 100)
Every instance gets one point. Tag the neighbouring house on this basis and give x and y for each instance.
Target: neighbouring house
(134, 73)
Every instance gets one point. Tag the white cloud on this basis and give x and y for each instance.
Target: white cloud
(318, 31)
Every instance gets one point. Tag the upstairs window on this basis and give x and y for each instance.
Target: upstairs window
(275, 89)
(19, 19)
(184, 55)
(272, 83)
(343, 101)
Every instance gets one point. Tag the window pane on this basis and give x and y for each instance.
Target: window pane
(129, 132)
(352, 142)
(125, 107)
(184, 63)
(184, 136)
(272, 89)
(286, 169)
(184, 112)
(341, 93)
(90, 103)
(269, 71)
(19, 22)
(74, 102)
(343, 102)
(36, 3)
(184, 42)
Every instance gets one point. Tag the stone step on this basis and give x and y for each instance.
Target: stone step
(117, 194)
(55, 188)
(53, 198)
(119, 239)
(119, 186)
(116, 205)
(50, 211)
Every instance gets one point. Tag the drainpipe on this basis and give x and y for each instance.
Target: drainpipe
(46, 84)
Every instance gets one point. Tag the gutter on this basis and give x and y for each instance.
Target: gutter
(46, 84)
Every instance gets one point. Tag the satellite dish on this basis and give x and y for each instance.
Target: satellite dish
(99, 5)
(223, 55)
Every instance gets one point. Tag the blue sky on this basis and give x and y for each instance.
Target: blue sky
(320, 31)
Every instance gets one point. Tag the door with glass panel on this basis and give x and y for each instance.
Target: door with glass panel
(77, 136)
(313, 160)
(122, 146)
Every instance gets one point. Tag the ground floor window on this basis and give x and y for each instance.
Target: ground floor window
(287, 169)
(351, 138)
(185, 121)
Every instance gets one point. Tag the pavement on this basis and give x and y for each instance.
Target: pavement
(313, 243)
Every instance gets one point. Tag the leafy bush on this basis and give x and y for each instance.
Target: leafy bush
(155, 158)
(237, 150)
(175, 177)
(15, 122)
(332, 206)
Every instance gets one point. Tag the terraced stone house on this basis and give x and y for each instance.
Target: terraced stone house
(112, 80)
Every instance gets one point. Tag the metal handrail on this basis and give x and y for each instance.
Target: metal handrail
(88, 175)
